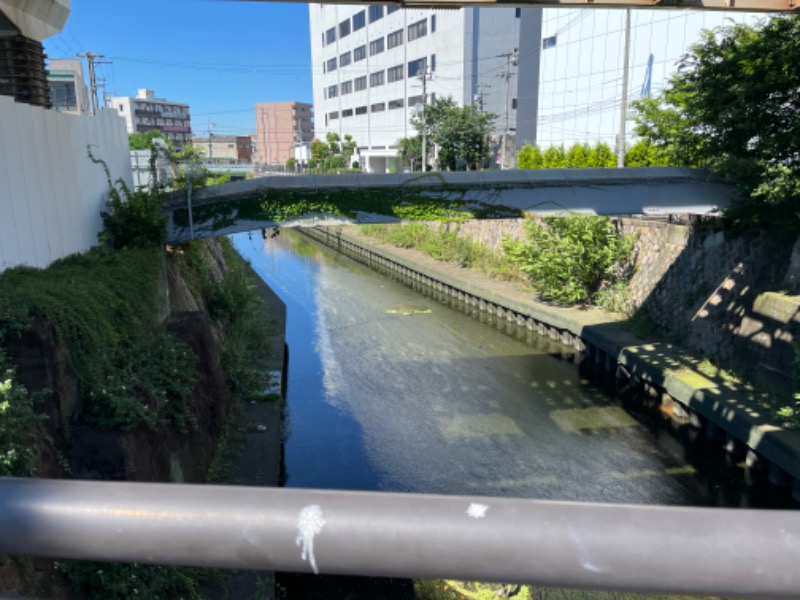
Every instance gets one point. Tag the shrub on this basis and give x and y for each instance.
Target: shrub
(568, 259)
(132, 219)
(19, 426)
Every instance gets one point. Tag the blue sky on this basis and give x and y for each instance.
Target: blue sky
(219, 57)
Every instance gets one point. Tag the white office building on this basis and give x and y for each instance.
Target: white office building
(566, 88)
(367, 62)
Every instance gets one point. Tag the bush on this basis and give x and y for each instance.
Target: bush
(568, 259)
(132, 219)
(19, 426)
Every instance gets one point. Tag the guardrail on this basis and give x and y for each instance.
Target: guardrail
(594, 546)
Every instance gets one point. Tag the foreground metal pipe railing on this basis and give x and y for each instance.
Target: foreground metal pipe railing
(594, 546)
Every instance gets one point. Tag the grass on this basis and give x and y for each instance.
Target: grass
(446, 245)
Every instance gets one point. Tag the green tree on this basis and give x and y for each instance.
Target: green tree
(460, 132)
(409, 150)
(554, 158)
(349, 146)
(577, 156)
(734, 106)
(144, 141)
(644, 154)
(529, 157)
(601, 155)
(320, 151)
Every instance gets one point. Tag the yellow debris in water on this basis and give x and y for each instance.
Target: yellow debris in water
(409, 311)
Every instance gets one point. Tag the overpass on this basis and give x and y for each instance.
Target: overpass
(374, 198)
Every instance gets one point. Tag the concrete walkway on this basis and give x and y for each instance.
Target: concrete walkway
(728, 412)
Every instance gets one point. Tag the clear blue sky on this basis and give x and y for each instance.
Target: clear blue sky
(219, 57)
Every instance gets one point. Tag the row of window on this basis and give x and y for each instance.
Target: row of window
(415, 30)
(378, 78)
(376, 107)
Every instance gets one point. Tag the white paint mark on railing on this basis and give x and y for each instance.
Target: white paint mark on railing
(477, 511)
(310, 524)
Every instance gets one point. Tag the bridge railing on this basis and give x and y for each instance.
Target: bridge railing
(593, 546)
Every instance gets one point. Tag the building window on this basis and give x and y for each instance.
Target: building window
(418, 30)
(361, 110)
(378, 107)
(394, 73)
(348, 112)
(359, 21)
(518, 12)
(395, 39)
(390, 9)
(414, 100)
(433, 23)
(344, 59)
(376, 79)
(395, 104)
(417, 67)
(376, 47)
(361, 83)
(375, 13)
(334, 115)
(433, 63)
(514, 104)
(331, 64)
(344, 28)
(347, 87)
(359, 53)
(330, 35)
(333, 91)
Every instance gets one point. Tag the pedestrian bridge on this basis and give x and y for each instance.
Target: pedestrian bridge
(369, 198)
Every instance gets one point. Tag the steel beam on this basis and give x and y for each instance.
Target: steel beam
(593, 546)
(725, 5)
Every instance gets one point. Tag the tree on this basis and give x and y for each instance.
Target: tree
(332, 154)
(144, 141)
(409, 150)
(529, 157)
(460, 132)
(734, 107)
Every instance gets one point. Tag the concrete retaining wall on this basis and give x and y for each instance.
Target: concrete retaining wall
(51, 194)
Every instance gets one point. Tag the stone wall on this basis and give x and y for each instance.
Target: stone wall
(706, 290)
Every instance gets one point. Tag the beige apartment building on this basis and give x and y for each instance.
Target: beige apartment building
(225, 148)
(280, 126)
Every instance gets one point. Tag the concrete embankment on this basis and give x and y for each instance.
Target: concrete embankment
(665, 373)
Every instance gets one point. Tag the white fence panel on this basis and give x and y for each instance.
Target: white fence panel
(51, 194)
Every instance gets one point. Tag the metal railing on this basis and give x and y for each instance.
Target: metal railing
(594, 546)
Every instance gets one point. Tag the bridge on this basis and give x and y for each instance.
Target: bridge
(375, 198)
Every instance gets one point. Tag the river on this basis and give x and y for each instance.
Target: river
(390, 390)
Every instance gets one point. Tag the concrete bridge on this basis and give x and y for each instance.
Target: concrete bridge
(374, 198)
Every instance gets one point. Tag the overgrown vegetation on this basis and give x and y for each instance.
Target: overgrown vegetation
(102, 305)
(19, 425)
(120, 581)
(570, 259)
(444, 244)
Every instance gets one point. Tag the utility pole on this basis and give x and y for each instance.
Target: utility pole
(208, 131)
(479, 96)
(424, 76)
(512, 58)
(623, 113)
(92, 59)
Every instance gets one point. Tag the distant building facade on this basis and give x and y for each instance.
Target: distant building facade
(280, 126)
(68, 91)
(146, 112)
(369, 62)
(225, 148)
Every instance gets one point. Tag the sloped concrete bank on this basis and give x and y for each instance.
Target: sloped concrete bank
(665, 373)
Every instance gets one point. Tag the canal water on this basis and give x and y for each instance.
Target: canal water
(390, 390)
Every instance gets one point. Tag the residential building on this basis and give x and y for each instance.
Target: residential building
(279, 127)
(225, 148)
(368, 63)
(146, 112)
(68, 92)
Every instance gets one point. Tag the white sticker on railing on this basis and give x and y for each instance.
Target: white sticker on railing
(477, 511)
